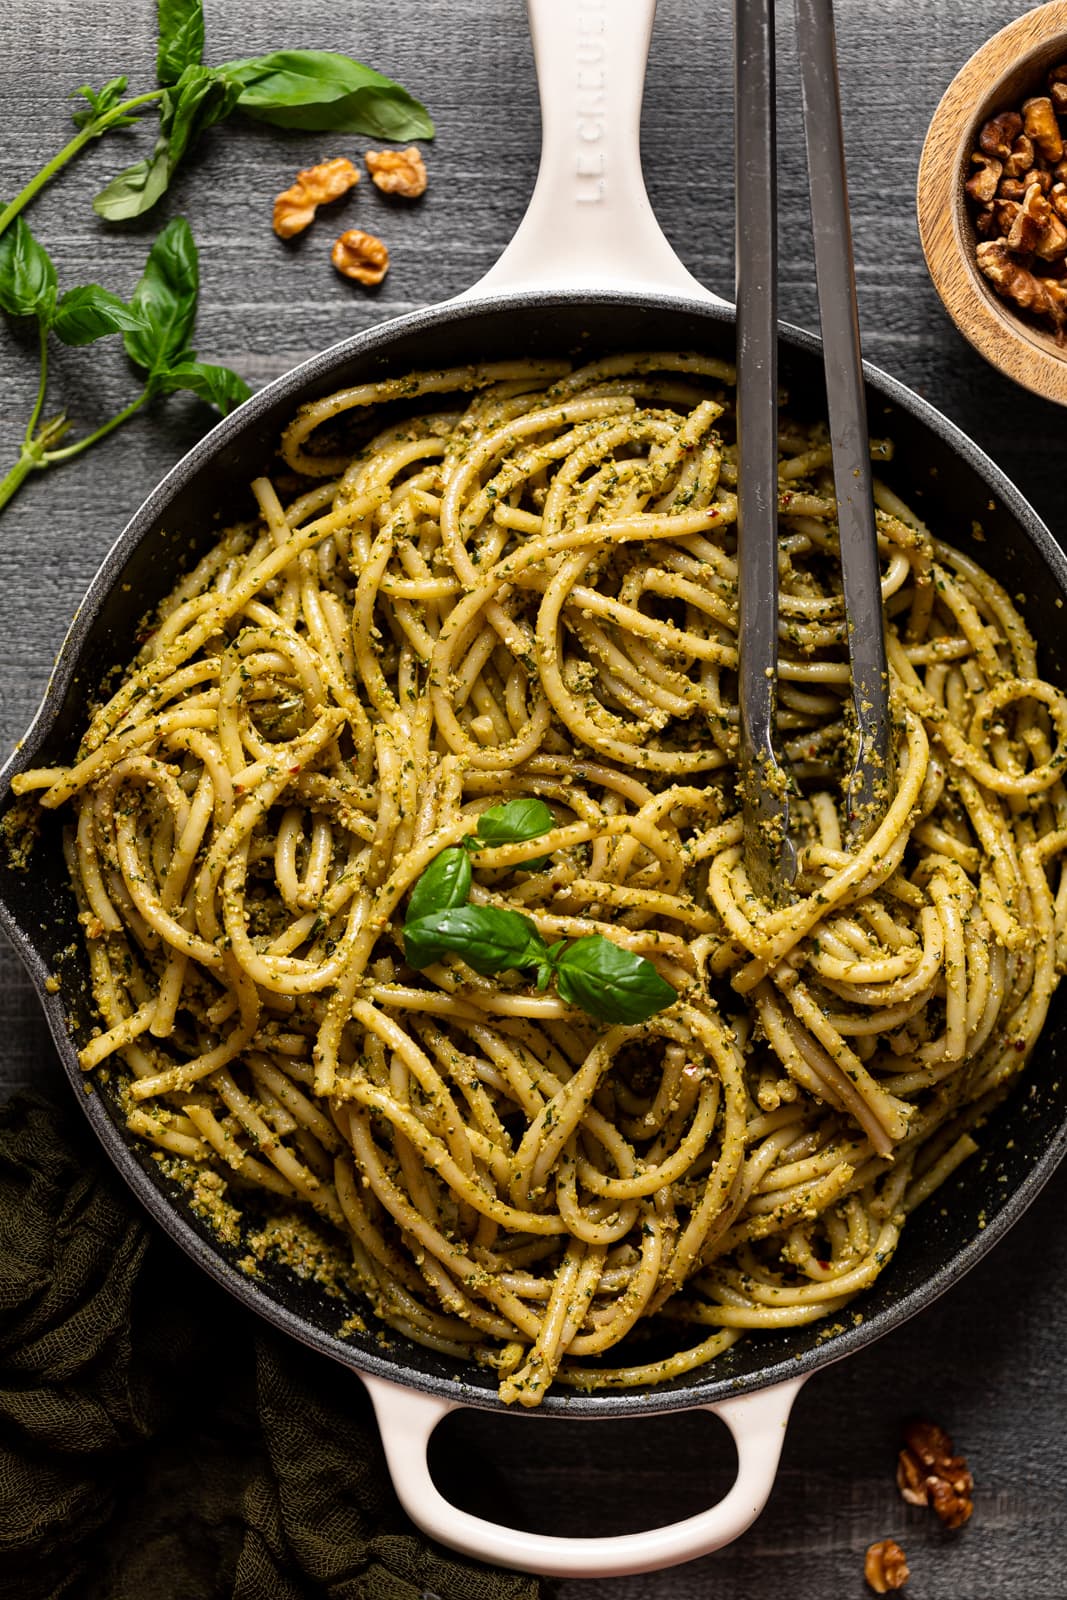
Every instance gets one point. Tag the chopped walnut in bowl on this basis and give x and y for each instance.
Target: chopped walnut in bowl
(991, 195)
(1017, 190)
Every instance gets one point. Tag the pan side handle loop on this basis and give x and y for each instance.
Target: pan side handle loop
(407, 1418)
(589, 224)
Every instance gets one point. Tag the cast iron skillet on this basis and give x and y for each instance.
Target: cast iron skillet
(588, 272)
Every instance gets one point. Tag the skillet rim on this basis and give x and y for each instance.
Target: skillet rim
(291, 386)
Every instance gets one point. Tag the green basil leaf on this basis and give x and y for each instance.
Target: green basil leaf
(611, 983)
(100, 105)
(89, 313)
(204, 96)
(446, 883)
(201, 97)
(136, 189)
(514, 822)
(27, 274)
(181, 37)
(219, 386)
(165, 300)
(320, 90)
(488, 939)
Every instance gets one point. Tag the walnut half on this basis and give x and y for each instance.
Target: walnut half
(360, 256)
(929, 1474)
(397, 171)
(884, 1566)
(295, 207)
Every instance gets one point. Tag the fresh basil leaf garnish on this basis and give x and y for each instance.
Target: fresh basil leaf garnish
(320, 90)
(488, 939)
(446, 883)
(609, 982)
(514, 822)
(612, 984)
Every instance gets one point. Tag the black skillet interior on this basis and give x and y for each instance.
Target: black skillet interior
(948, 481)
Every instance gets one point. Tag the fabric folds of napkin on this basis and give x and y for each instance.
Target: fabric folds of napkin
(158, 1440)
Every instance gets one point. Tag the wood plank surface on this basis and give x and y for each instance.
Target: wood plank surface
(987, 1360)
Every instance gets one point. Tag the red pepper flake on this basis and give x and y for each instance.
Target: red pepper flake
(238, 788)
(294, 771)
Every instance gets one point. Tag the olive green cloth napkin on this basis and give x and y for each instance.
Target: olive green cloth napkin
(157, 1441)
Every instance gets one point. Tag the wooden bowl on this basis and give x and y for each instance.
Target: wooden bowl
(998, 77)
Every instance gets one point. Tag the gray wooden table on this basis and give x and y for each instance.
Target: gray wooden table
(988, 1359)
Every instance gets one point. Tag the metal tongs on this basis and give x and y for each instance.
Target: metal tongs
(769, 850)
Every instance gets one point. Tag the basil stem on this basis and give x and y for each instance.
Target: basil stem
(116, 116)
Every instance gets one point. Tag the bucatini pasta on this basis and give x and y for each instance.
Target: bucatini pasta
(524, 584)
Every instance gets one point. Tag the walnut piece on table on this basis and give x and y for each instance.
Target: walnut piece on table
(295, 207)
(360, 256)
(884, 1566)
(930, 1474)
(400, 172)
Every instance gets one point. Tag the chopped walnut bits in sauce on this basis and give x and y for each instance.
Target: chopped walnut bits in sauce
(1018, 192)
(929, 1473)
(885, 1567)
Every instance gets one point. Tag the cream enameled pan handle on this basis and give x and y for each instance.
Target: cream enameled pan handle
(589, 224)
(407, 1418)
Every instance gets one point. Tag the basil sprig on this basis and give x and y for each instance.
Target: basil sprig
(609, 982)
(156, 326)
(201, 97)
(316, 90)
